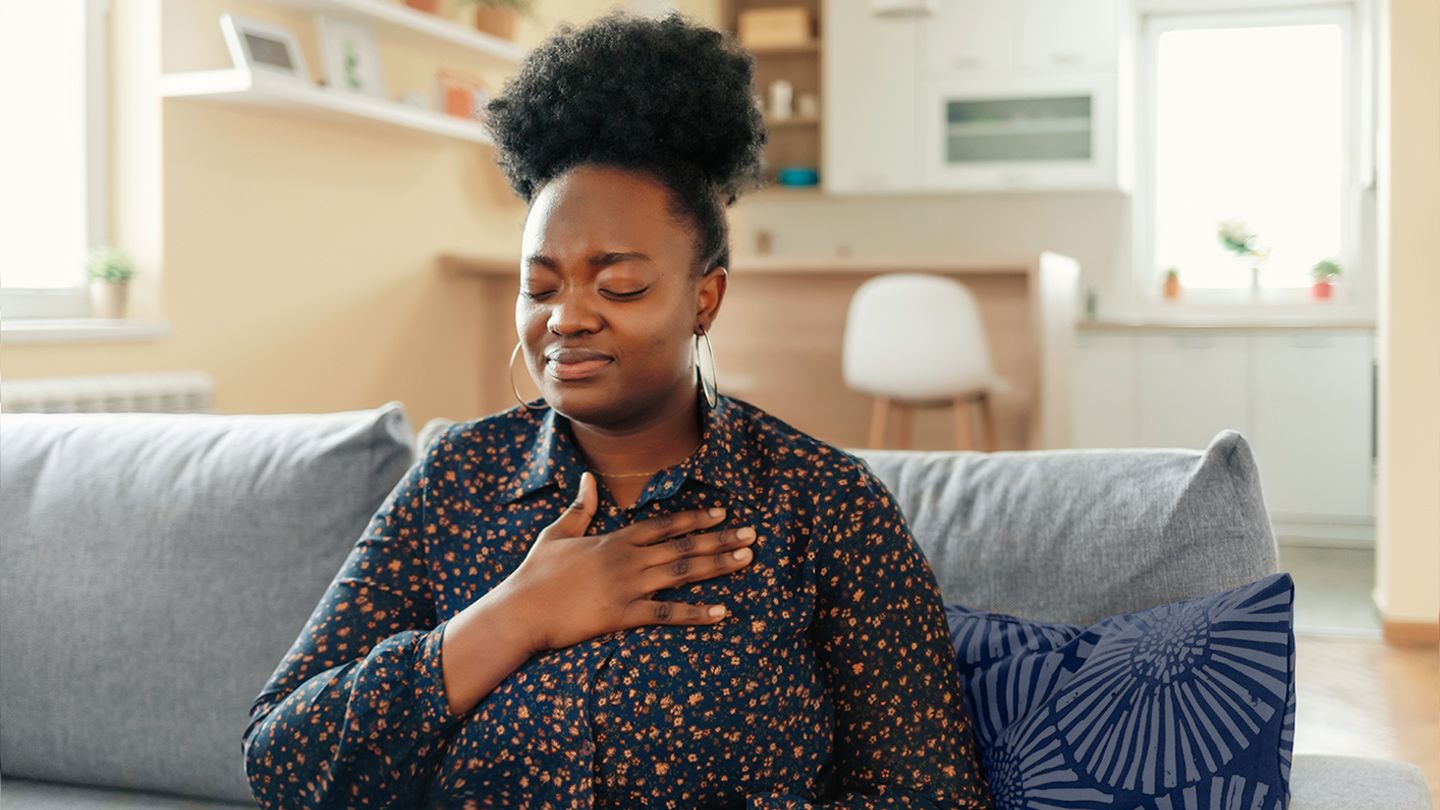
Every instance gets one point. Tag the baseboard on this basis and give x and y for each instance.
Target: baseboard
(1332, 535)
(1412, 634)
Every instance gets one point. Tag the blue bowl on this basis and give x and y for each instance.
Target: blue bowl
(797, 176)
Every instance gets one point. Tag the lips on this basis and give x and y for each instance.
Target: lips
(568, 364)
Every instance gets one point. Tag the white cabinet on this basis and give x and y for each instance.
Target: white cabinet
(1303, 399)
(1068, 35)
(968, 36)
(1018, 132)
(1102, 391)
(870, 81)
(983, 95)
(1313, 418)
(1190, 387)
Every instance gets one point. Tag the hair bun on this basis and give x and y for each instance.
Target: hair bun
(634, 91)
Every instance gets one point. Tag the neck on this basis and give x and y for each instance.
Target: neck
(667, 436)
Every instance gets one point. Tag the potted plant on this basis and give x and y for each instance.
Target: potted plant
(1172, 284)
(110, 271)
(1325, 271)
(498, 16)
(1240, 240)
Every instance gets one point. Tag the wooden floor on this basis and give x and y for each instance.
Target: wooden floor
(1363, 697)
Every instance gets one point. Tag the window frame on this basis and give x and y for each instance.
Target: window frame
(73, 301)
(1357, 96)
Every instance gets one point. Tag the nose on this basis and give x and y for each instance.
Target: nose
(571, 313)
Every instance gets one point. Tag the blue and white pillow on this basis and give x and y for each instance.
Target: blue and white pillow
(1187, 705)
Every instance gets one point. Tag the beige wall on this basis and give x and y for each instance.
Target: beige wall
(294, 258)
(1408, 523)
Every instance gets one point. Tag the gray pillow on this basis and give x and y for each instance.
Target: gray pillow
(1076, 535)
(155, 568)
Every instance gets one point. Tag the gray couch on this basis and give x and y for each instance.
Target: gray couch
(155, 568)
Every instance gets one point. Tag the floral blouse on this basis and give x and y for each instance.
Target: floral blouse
(830, 682)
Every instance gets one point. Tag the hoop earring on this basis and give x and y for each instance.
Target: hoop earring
(511, 376)
(711, 386)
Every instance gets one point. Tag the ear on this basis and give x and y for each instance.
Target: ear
(708, 295)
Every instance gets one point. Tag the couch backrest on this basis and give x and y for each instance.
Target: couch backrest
(155, 568)
(1076, 535)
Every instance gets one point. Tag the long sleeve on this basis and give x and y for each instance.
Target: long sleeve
(902, 735)
(355, 714)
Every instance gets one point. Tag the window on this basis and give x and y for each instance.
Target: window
(52, 202)
(1250, 118)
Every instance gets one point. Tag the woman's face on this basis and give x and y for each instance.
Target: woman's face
(608, 305)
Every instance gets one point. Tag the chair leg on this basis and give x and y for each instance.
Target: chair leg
(987, 420)
(906, 410)
(964, 425)
(879, 418)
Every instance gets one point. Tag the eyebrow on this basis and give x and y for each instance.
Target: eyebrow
(607, 258)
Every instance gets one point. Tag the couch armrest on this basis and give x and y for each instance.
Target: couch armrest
(1323, 782)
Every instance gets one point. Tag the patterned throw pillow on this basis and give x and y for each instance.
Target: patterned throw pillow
(1187, 705)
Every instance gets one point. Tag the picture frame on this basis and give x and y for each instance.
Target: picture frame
(350, 56)
(261, 46)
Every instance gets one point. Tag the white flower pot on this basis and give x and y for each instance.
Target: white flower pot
(107, 298)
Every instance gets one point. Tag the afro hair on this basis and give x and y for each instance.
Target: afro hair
(667, 97)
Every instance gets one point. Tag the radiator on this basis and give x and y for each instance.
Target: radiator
(171, 392)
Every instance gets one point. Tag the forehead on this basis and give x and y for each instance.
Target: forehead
(593, 208)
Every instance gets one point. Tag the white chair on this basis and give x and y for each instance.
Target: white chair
(913, 340)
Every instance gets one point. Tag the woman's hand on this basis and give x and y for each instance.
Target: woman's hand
(574, 586)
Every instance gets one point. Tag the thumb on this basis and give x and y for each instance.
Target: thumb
(577, 516)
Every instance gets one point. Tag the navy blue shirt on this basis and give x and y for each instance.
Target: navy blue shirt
(830, 682)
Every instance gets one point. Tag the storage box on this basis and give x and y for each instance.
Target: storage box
(775, 27)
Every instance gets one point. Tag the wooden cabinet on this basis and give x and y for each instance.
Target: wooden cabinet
(1303, 399)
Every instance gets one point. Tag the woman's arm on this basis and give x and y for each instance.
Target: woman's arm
(358, 706)
(902, 734)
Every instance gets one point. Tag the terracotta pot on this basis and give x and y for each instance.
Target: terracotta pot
(497, 21)
(107, 298)
(427, 6)
(1172, 288)
(1321, 290)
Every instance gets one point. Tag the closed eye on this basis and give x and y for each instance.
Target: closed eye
(535, 296)
(626, 295)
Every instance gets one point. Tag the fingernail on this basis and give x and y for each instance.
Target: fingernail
(716, 611)
(741, 554)
(745, 533)
(716, 511)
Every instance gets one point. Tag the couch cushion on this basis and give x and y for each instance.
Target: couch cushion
(1075, 535)
(154, 570)
(1186, 704)
(24, 794)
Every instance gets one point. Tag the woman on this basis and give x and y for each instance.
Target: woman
(522, 624)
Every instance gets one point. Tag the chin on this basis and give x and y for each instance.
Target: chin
(584, 402)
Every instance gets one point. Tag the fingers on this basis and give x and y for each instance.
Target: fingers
(577, 516)
(682, 569)
(649, 611)
(698, 545)
(651, 530)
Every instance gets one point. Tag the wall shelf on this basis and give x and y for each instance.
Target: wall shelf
(400, 22)
(259, 89)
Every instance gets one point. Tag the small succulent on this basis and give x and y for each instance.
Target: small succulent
(109, 264)
(1325, 270)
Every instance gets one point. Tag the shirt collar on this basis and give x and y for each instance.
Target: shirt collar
(723, 459)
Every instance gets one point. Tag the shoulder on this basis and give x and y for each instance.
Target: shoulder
(790, 455)
(493, 442)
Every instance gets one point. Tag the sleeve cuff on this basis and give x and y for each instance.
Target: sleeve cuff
(430, 683)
